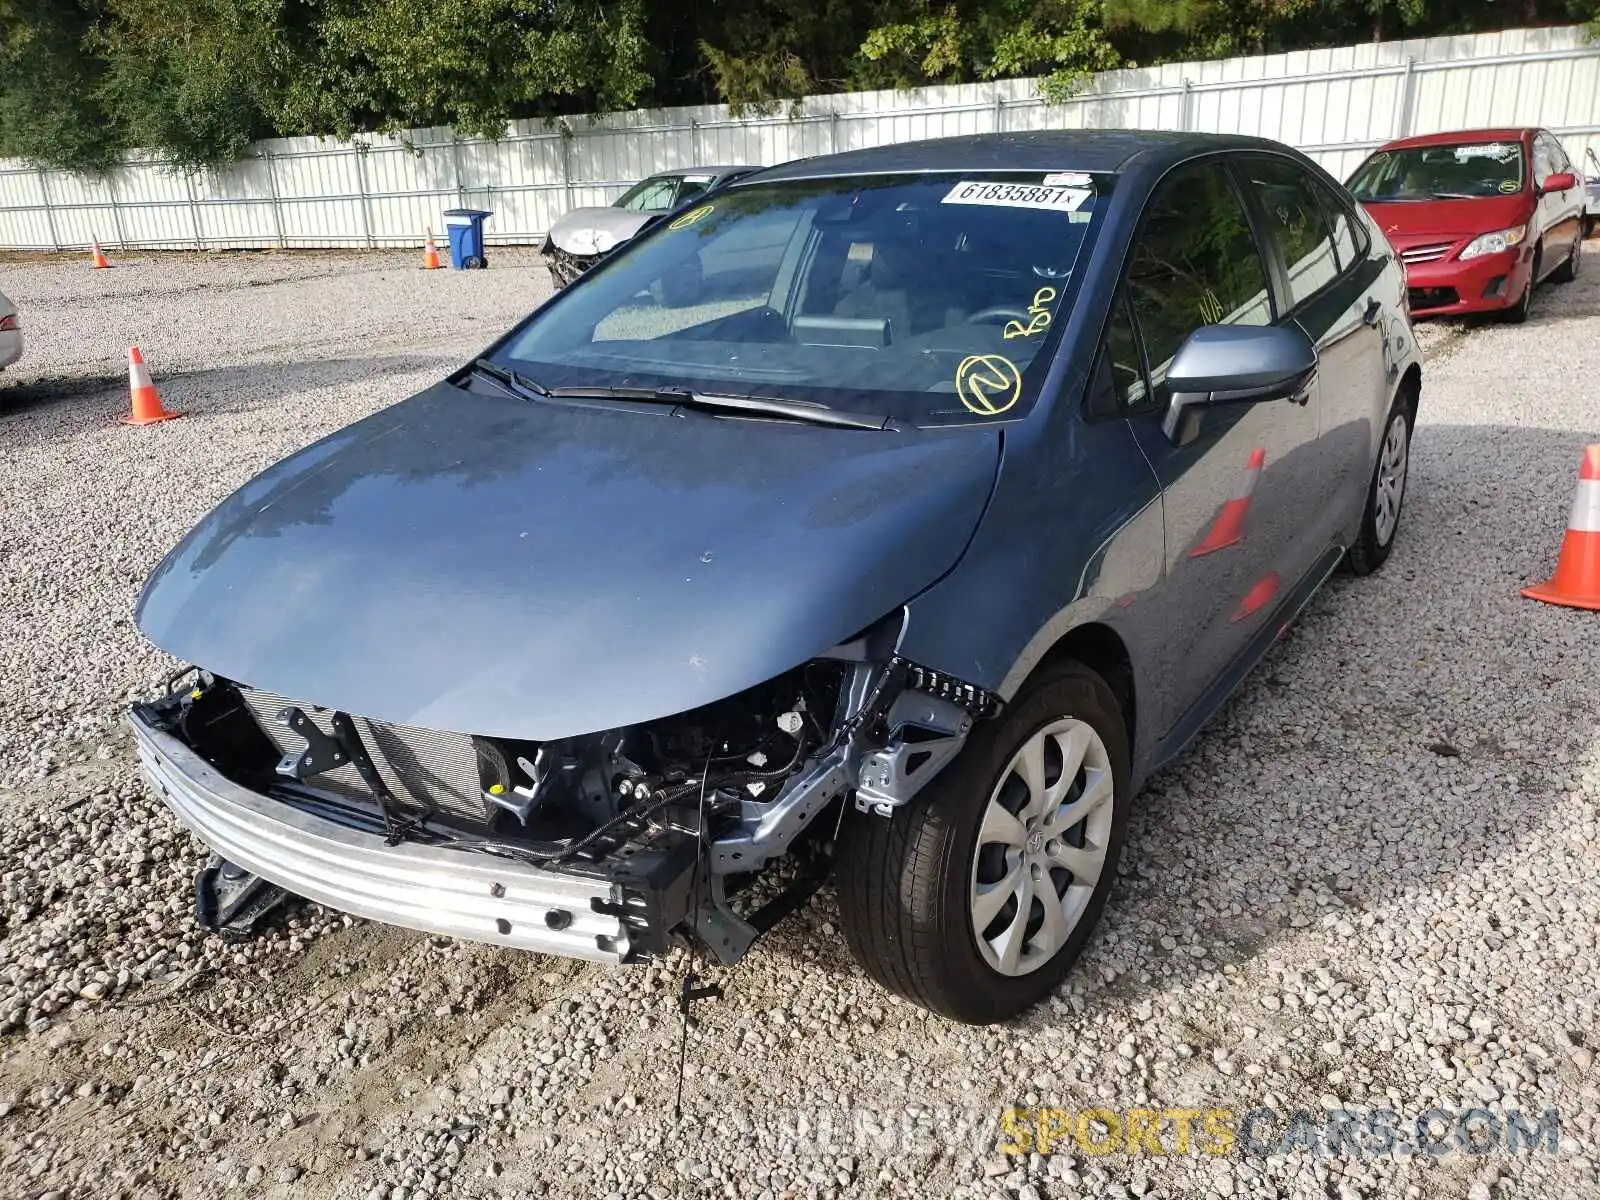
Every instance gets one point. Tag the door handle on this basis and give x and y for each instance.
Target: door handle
(1369, 315)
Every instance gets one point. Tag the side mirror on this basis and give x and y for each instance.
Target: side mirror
(1235, 364)
(1559, 182)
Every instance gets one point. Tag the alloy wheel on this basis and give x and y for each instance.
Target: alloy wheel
(1041, 846)
(1393, 461)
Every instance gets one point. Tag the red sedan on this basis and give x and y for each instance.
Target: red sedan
(1479, 217)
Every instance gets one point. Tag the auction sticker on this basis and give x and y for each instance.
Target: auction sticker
(988, 384)
(1051, 197)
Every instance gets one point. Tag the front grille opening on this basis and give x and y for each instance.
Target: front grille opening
(1433, 297)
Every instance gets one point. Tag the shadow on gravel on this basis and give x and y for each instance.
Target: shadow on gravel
(46, 409)
(1381, 752)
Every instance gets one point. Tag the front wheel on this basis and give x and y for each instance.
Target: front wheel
(975, 899)
(1386, 495)
(1518, 312)
(1568, 271)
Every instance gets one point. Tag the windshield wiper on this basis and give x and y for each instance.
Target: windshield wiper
(517, 385)
(770, 406)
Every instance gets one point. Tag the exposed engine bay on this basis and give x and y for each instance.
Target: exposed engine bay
(682, 815)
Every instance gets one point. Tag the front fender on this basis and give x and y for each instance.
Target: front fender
(1074, 534)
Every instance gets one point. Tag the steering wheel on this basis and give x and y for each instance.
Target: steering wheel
(998, 314)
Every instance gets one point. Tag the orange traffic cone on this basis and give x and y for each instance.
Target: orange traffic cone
(1576, 583)
(147, 408)
(97, 258)
(1225, 530)
(430, 255)
(1261, 593)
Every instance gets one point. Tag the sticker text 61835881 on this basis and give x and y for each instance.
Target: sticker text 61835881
(1018, 195)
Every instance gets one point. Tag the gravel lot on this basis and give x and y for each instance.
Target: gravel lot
(1373, 882)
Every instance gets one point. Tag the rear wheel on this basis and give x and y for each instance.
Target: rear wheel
(975, 899)
(1386, 495)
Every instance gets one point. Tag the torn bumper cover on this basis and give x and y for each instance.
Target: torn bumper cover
(430, 888)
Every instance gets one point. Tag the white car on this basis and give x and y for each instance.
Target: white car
(10, 333)
(1591, 190)
(583, 236)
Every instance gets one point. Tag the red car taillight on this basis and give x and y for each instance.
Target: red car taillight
(9, 324)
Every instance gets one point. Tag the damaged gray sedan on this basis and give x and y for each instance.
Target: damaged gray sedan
(955, 487)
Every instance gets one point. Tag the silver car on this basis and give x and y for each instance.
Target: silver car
(579, 239)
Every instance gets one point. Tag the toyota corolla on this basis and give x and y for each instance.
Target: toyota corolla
(1479, 218)
(949, 492)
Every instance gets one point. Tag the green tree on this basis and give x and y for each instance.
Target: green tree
(50, 110)
(1062, 40)
(775, 50)
(472, 64)
(191, 79)
(198, 80)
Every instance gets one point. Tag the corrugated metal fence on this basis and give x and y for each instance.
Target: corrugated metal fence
(386, 190)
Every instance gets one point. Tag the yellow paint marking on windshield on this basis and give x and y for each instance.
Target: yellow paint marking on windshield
(693, 215)
(988, 384)
(1038, 316)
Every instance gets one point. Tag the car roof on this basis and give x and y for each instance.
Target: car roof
(1039, 150)
(1456, 137)
(676, 172)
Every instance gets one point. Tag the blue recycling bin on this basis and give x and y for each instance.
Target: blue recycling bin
(464, 226)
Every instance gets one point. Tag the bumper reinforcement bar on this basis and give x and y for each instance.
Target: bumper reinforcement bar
(435, 889)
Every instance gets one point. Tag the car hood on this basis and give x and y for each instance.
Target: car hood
(583, 230)
(480, 564)
(1405, 222)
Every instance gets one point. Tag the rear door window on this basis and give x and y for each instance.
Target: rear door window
(1297, 221)
(1194, 262)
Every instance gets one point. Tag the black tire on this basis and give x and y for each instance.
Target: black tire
(1568, 270)
(472, 263)
(904, 881)
(1371, 550)
(1518, 312)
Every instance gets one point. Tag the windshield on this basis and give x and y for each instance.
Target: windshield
(1462, 172)
(928, 298)
(657, 194)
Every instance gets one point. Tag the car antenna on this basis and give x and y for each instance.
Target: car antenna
(692, 989)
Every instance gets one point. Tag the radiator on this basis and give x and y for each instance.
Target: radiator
(422, 768)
